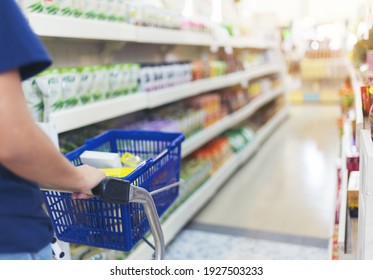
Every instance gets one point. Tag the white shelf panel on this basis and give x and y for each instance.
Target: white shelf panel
(222, 125)
(365, 220)
(69, 27)
(96, 112)
(346, 142)
(198, 199)
(169, 36)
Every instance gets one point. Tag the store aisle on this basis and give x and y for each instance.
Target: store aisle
(280, 205)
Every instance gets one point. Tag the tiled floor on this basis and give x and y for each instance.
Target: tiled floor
(286, 190)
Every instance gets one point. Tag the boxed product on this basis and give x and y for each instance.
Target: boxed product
(101, 159)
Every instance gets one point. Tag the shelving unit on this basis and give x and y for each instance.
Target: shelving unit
(77, 117)
(365, 220)
(343, 209)
(53, 27)
(199, 198)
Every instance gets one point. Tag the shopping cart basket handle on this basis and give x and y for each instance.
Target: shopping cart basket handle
(113, 190)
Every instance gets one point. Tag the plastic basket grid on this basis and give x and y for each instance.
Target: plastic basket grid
(97, 223)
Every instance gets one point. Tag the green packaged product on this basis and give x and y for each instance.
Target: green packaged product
(89, 9)
(65, 7)
(115, 76)
(85, 85)
(101, 7)
(49, 83)
(70, 81)
(34, 98)
(100, 88)
(33, 6)
(124, 78)
(134, 74)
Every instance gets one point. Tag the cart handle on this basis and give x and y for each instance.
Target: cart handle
(119, 191)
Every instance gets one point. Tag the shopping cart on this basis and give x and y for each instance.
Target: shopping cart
(123, 209)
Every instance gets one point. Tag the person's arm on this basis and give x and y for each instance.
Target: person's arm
(28, 152)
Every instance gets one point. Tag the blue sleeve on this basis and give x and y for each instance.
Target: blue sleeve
(20, 48)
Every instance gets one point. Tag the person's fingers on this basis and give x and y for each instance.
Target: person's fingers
(80, 196)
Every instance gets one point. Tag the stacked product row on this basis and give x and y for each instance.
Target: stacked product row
(63, 88)
(128, 11)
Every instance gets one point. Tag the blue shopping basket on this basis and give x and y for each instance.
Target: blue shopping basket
(97, 223)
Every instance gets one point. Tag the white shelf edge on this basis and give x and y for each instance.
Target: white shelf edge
(79, 28)
(172, 94)
(222, 125)
(70, 27)
(197, 200)
(74, 118)
(343, 190)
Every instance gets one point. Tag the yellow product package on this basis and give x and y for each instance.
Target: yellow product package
(118, 172)
(130, 160)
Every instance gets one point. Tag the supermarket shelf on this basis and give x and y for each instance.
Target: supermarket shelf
(219, 127)
(74, 118)
(88, 29)
(365, 219)
(343, 214)
(70, 27)
(100, 111)
(199, 198)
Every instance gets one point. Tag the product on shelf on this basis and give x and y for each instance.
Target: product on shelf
(233, 99)
(347, 96)
(34, 98)
(194, 172)
(323, 63)
(155, 76)
(70, 83)
(49, 83)
(217, 152)
(239, 137)
(353, 193)
(128, 11)
(250, 58)
(202, 69)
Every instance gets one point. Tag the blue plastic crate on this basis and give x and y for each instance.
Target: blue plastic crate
(97, 223)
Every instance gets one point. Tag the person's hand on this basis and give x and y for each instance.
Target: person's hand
(91, 177)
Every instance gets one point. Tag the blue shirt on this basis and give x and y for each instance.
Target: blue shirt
(24, 226)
